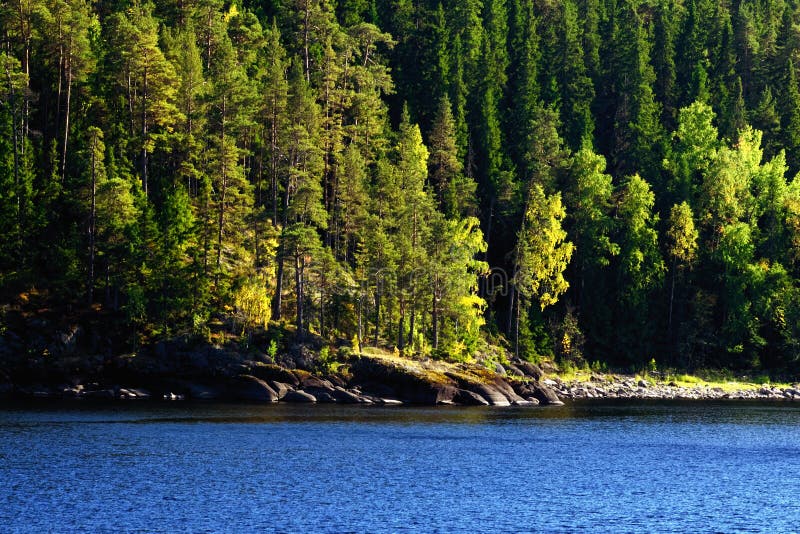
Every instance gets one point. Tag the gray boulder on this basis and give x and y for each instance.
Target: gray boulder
(312, 381)
(347, 397)
(252, 389)
(299, 396)
(503, 387)
(108, 393)
(544, 394)
(491, 394)
(469, 398)
(529, 369)
(280, 388)
(268, 371)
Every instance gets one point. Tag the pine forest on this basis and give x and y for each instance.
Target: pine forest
(610, 181)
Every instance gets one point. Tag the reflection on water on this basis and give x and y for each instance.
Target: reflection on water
(586, 466)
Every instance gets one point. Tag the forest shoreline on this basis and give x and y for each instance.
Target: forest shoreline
(180, 370)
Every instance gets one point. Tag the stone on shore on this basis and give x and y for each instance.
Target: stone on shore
(469, 398)
(280, 388)
(252, 389)
(348, 397)
(491, 394)
(269, 371)
(299, 397)
(544, 394)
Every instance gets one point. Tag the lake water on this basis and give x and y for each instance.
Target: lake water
(582, 467)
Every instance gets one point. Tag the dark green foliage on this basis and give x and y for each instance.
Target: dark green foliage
(362, 164)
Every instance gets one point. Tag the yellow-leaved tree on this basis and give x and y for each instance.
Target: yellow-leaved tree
(542, 255)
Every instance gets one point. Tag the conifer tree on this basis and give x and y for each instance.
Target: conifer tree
(148, 80)
(455, 192)
(638, 135)
(577, 91)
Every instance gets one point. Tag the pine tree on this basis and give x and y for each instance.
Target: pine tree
(523, 83)
(148, 80)
(303, 211)
(412, 215)
(455, 192)
(664, 29)
(791, 120)
(182, 51)
(71, 22)
(577, 91)
(15, 173)
(275, 91)
(638, 135)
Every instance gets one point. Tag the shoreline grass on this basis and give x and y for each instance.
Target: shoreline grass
(705, 378)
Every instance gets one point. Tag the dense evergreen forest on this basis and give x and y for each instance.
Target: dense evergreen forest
(608, 180)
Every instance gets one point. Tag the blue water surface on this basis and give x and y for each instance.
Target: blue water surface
(164, 467)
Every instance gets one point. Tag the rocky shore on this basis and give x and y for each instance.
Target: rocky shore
(628, 387)
(183, 368)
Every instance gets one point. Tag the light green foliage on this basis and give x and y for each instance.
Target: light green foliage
(453, 270)
(694, 150)
(682, 235)
(543, 252)
(640, 261)
(251, 302)
(726, 190)
(589, 205)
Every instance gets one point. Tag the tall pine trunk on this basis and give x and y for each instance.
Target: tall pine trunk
(92, 218)
(222, 197)
(68, 76)
(144, 132)
(298, 280)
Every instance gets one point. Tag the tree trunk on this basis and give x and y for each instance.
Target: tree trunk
(66, 120)
(221, 223)
(223, 193)
(144, 132)
(360, 331)
(277, 299)
(435, 318)
(412, 320)
(401, 325)
(54, 164)
(298, 280)
(273, 161)
(15, 138)
(512, 295)
(306, 23)
(26, 107)
(108, 283)
(377, 316)
(516, 329)
(92, 217)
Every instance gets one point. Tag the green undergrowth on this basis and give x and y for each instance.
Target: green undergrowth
(433, 371)
(722, 379)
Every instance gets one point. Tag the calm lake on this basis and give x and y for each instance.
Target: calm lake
(206, 467)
